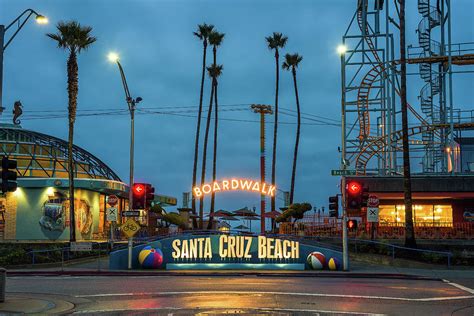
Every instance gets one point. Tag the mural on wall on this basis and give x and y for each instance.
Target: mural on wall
(55, 216)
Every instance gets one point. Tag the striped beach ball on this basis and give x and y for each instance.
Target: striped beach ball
(334, 264)
(150, 258)
(316, 260)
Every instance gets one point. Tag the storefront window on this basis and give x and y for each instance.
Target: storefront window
(423, 215)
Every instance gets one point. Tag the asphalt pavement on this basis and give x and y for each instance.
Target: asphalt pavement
(237, 294)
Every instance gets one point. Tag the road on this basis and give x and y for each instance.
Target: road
(184, 295)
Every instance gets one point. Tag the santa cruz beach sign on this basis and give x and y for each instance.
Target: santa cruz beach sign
(224, 251)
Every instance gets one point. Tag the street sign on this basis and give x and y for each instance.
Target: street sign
(112, 200)
(81, 246)
(112, 214)
(343, 172)
(373, 201)
(131, 213)
(373, 214)
(130, 228)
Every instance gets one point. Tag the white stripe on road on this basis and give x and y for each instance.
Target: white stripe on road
(370, 297)
(459, 286)
(293, 310)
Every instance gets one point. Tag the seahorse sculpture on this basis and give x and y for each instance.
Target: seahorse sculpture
(17, 111)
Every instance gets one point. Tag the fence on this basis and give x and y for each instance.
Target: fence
(364, 230)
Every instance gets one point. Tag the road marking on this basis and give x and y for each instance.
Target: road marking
(459, 286)
(370, 297)
(295, 310)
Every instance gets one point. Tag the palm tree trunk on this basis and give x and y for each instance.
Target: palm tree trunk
(409, 229)
(275, 130)
(297, 141)
(214, 160)
(72, 87)
(204, 156)
(198, 128)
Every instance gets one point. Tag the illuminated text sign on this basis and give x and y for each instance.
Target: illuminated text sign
(233, 185)
(235, 247)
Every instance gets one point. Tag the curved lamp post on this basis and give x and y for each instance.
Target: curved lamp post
(20, 21)
(114, 58)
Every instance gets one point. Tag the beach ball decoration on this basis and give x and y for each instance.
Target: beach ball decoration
(150, 258)
(316, 260)
(334, 264)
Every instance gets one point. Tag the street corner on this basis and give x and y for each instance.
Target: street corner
(25, 303)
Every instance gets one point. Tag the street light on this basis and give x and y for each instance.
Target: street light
(341, 49)
(40, 19)
(114, 58)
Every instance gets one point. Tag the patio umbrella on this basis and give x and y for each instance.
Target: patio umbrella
(272, 214)
(241, 227)
(244, 212)
(221, 213)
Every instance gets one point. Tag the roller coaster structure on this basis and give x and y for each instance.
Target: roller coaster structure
(370, 90)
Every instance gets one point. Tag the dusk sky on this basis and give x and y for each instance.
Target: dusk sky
(162, 61)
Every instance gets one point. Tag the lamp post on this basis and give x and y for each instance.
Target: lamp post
(342, 49)
(40, 19)
(113, 57)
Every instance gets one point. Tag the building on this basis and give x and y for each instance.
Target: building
(39, 209)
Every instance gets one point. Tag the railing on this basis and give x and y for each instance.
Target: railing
(393, 231)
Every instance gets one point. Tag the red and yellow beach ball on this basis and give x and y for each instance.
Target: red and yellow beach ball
(150, 258)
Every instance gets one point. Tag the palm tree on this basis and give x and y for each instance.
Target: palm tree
(291, 62)
(75, 38)
(275, 42)
(203, 34)
(215, 39)
(214, 72)
(409, 229)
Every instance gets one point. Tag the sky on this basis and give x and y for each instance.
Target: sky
(162, 61)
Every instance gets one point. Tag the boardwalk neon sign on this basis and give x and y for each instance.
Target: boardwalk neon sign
(235, 185)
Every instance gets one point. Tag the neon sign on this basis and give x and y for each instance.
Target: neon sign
(235, 247)
(234, 185)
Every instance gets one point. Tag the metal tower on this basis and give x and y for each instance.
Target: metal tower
(371, 138)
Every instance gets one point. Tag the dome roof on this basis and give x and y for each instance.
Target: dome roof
(43, 156)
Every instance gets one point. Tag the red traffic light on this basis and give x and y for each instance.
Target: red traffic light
(354, 188)
(138, 189)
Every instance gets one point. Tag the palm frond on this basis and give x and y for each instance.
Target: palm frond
(215, 71)
(216, 38)
(71, 35)
(276, 40)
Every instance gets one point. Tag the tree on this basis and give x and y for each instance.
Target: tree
(214, 72)
(295, 211)
(175, 219)
(215, 39)
(291, 62)
(275, 42)
(203, 34)
(74, 38)
(409, 229)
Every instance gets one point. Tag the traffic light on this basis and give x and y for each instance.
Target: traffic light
(353, 195)
(139, 194)
(352, 225)
(333, 206)
(9, 175)
(149, 195)
(143, 195)
(364, 197)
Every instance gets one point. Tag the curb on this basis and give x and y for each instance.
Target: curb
(224, 274)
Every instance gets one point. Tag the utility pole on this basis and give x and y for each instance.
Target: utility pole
(262, 109)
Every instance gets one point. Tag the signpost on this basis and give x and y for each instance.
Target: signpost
(343, 172)
(81, 246)
(130, 228)
(112, 214)
(131, 213)
(372, 213)
(112, 200)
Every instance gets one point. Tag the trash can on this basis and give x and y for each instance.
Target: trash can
(3, 278)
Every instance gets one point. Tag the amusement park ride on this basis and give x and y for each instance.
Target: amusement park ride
(370, 90)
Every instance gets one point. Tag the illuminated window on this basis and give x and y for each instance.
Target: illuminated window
(423, 215)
